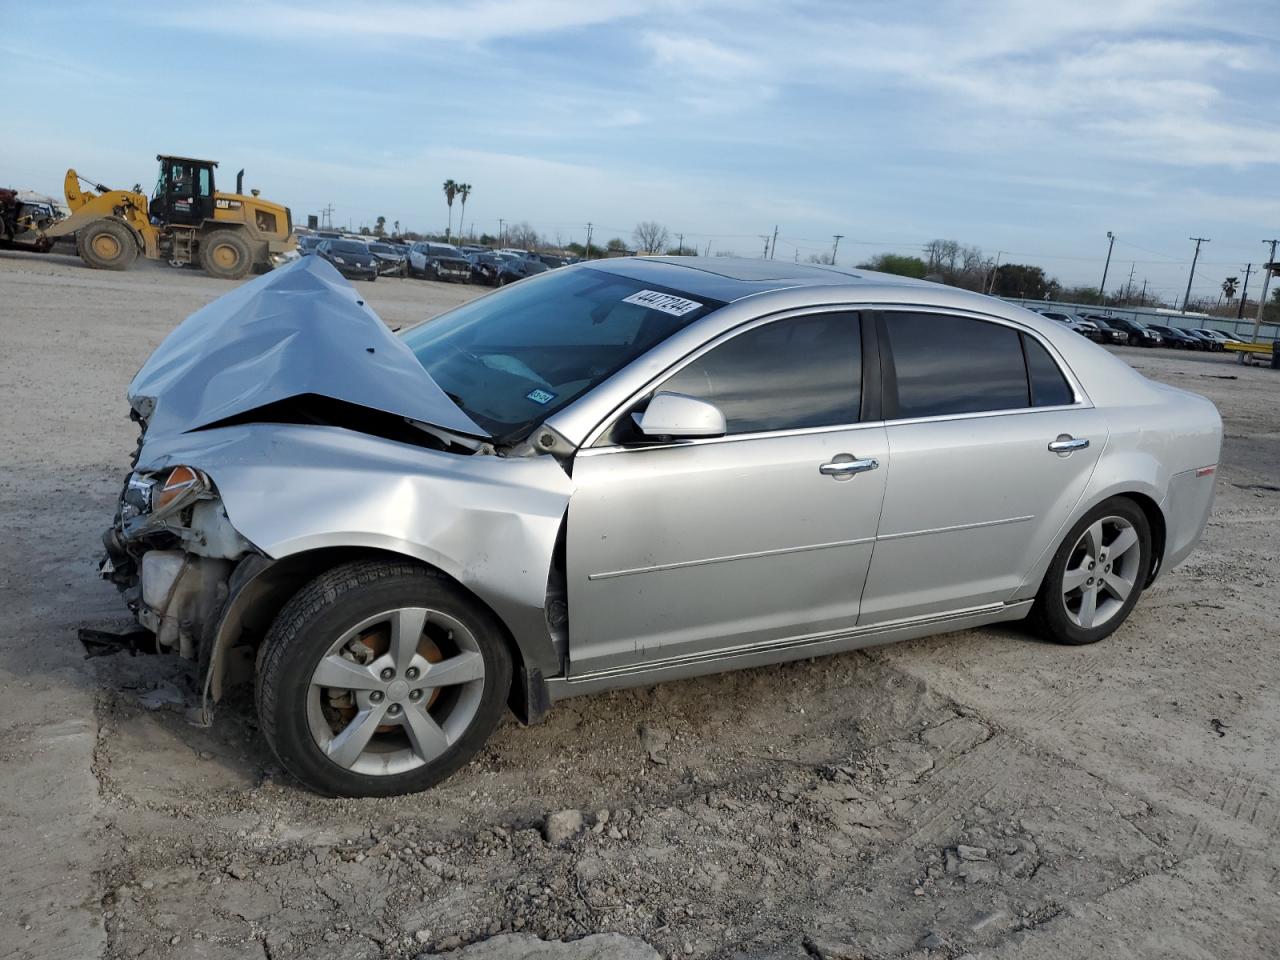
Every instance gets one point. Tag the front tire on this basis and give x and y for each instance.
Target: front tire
(379, 679)
(107, 245)
(1096, 576)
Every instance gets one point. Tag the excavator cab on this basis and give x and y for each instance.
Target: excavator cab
(184, 192)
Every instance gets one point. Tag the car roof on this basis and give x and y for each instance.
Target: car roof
(732, 278)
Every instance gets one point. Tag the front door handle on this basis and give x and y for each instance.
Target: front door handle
(845, 469)
(1066, 443)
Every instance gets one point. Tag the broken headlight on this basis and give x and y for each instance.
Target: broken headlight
(159, 496)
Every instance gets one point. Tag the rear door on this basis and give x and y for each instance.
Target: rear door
(687, 548)
(991, 444)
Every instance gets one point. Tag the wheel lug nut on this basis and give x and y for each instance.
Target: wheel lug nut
(415, 695)
(394, 709)
(411, 673)
(375, 697)
(387, 673)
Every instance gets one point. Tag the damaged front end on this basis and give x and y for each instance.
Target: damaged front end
(171, 552)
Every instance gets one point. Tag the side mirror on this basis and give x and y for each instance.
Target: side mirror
(678, 416)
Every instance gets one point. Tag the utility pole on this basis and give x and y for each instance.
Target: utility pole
(502, 234)
(774, 248)
(1128, 287)
(327, 213)
(1102, 290)
(765, 238)
(1244, 292)
(835, 246)
(1268, 268)
(1142, 300)
(680, 252)
(708, 253)
(991, 284)
(588, 254)
(1191, 276)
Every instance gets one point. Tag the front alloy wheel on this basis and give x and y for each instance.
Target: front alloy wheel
(379, 679)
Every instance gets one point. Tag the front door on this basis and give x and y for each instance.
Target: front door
(682, 549)
(988, 445)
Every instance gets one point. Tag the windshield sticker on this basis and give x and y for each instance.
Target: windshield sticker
(666, 302)
(540, 396)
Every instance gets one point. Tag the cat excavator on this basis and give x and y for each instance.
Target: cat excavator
(185, 221)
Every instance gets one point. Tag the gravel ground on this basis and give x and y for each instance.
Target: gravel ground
(979, 793)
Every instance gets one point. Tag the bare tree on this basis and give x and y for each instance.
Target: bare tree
(823, 258)
(523, 235)
(650, 236)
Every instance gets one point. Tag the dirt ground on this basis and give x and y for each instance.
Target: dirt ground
(977, 794)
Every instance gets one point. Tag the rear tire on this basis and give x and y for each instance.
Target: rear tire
(225, 254)
(416, 732)
(1096, 576)
(107, 245)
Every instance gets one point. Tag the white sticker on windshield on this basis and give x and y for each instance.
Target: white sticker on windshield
(666, 302)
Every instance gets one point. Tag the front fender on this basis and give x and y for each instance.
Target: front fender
(488, 522)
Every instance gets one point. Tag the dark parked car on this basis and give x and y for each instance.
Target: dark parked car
(550, 259)
(391, 261)
(1176, 338)
(486, 265)
(1108, 332)
(517, 268)
(1210, 342)
(308, 245)
(439, 261)
(351, 257)
(1139, 335)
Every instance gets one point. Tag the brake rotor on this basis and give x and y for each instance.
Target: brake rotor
(377, 640)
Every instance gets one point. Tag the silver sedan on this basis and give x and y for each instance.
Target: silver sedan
(618, 473)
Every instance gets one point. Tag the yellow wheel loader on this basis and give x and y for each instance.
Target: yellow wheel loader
(185, 221)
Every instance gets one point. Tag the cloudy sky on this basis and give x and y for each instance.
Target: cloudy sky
(1026, 127)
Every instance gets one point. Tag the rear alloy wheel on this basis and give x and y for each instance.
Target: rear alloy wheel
(107, 245)
(380, 679)
(226, 255)
(1097, 574)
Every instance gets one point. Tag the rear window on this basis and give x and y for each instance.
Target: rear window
(348, 246)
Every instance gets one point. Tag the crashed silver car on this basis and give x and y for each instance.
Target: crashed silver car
(618, 473)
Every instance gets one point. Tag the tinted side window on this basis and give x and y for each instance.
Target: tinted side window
(947, 365)
(1049, 388)
(786, 375)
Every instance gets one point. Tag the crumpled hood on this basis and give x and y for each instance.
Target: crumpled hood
(300, 329)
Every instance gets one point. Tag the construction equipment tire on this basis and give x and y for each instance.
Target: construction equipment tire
(107, 245)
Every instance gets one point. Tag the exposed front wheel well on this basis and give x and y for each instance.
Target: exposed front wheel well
(254, 604)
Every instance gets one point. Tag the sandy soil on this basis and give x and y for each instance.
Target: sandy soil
(977, 794)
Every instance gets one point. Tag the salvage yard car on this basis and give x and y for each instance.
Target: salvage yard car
(617, 473)
(439, 261)
(352, 258)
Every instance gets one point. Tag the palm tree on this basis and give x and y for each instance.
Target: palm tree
(1229, 287)
(450, 191)
(464, 191)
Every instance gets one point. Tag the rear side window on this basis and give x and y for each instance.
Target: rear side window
(1049, 388)
(948, 365)
(785, 375)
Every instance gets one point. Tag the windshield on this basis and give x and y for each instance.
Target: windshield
(512, 359)
(382, 248)
(440, 250)
(348, 246)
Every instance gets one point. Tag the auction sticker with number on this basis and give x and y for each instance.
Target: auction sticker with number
(540, 396)
(666, 302)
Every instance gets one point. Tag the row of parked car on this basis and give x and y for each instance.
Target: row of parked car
(1117, 330)
(360, 259)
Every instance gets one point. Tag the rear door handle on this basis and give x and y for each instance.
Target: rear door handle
(1066, 443)
(845, 469)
